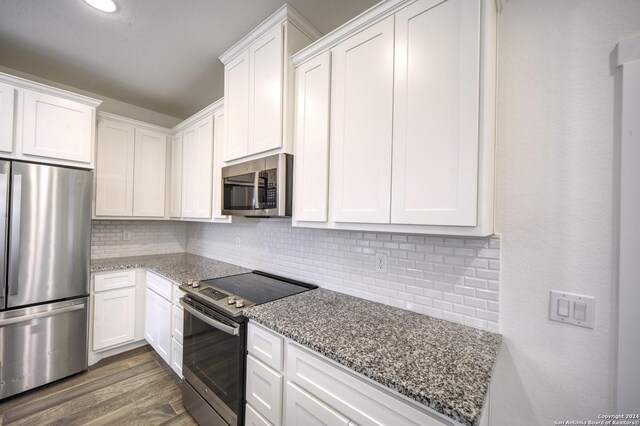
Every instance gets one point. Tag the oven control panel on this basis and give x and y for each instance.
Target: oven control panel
(213, 293)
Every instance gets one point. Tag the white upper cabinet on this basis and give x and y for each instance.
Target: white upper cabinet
(265, 92)
(412, 121)
(236, 95)
(435, 140)
(196, 158)
(197, 166)
(175, 206)
(114, 169)
(312, 139)
(218, 163)
(44, 124)
(149, 173)
(257, 82)
(57, 128)
(361, 125)
(130, 168)
(7, 96)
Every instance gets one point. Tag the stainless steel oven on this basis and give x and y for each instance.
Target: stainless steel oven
(214, 346)
(261, 187)
(213, 364)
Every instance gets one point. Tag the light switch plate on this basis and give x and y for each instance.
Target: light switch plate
(584, 316)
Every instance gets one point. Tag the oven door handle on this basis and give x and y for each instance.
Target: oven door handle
(234, 331)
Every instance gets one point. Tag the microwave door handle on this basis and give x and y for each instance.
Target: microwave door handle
(256, 189)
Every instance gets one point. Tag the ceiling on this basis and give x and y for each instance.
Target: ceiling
(156, 54)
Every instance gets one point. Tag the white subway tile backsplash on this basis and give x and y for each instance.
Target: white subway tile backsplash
(446, 277)
(427, 274)
(147, 237)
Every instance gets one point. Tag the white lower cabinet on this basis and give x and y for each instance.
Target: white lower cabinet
(302, 408)
(114, 309)
(264, 390)
(320, 392)
(158, 318)
(177, 318)
(114, 318)
(164, 319)
(253, 418)
(176, 357)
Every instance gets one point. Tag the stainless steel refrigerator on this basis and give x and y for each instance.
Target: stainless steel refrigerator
(45, 232)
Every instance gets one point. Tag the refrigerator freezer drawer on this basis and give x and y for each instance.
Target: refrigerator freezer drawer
(41, 344)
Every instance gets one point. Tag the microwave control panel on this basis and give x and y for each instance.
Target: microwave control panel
(269, 185)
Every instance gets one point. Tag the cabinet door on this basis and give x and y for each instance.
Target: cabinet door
(176, 357)
(57, 128)
(218, 164)
(253, 418)
(175, 209)
(265, 93)
(362, 112)
(264, 390)
(163, 327)
(301, 408)
(150, 315)
(7, 114)
(236, 107)
(311, 177)
(114, 169)
(149, 174)
(114, 318)
(177, 317)
(197, 166)
(435, 140)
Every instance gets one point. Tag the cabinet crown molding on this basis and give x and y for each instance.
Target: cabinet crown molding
(49, 90)
(208, 110)
(367, 18)
(141, 124)
(285, 13)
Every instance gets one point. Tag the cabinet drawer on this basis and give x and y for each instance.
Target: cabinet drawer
(264, 390)
(113, 280)
(160, 285)
(253, 418)
(177, 294)
(177, 316)
(360, 400)
(265, 345)
(304, 409)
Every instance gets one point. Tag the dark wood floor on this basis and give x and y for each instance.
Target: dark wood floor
(134, 388)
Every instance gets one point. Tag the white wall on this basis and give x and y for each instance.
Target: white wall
(555, 205)
(451, 278)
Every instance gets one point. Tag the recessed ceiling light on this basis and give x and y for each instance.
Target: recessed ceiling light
(108, 6)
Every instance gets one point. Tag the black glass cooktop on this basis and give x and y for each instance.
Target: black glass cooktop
(259, 287)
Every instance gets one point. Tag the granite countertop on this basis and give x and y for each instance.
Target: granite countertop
(441, 364)
(179, 267)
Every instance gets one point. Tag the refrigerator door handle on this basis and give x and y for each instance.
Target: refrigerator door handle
(44, 314)
(4, 186)
(14, 253)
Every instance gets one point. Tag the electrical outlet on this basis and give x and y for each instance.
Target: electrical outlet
(381, 263)
(126, 235)
(237, 241)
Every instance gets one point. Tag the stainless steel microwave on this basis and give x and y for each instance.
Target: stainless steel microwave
(258, 188)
